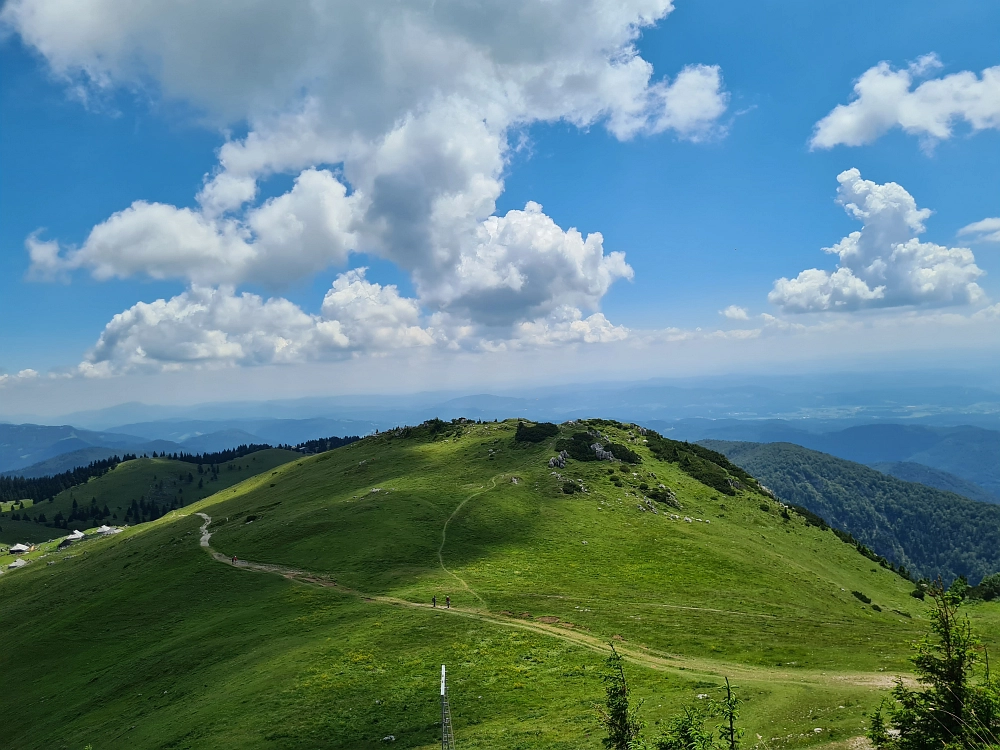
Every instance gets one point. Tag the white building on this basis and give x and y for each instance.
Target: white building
(19, 549)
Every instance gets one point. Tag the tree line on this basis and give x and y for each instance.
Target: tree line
(925, 531)
(37, 489)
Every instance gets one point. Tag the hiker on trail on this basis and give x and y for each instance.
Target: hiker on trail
(234, 559)
(434, 601)
(447, 602)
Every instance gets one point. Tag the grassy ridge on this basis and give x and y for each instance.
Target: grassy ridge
(162, 480)
(143, 640)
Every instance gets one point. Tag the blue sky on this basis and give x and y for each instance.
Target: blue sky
(711, 202)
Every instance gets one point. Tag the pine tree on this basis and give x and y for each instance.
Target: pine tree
(953, 710)
(618, 716)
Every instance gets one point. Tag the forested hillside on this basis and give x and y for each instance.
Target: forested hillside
(927, 530)
(910, 471)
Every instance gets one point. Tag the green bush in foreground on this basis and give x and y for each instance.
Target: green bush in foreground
(954, 710)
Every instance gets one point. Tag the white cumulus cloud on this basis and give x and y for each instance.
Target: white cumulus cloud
(396, 120)
(987, 230)
(735, 312)
(885, 98)
(210, 327)
(884, 264)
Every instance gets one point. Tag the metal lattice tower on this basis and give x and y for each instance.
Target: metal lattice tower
(447, 736)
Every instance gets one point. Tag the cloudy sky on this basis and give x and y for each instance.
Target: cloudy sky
(268, 198)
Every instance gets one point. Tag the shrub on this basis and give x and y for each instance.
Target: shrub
(876, 608)
(862, 597)
(988, 588)
(578, 447)
(623, 454)
(570, 487)
(765, 507)
(535, 433)
(918, 593)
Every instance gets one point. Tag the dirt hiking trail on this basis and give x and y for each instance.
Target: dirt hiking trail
(641, 655)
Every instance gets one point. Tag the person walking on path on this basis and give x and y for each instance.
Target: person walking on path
(434, 601)
(234, 559)
(447, 602)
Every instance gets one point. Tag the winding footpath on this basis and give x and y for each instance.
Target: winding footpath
(444, 536)
(643, 656)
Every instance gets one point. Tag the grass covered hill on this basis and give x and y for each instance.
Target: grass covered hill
(927, 530)
(134, 491)
(323, 634)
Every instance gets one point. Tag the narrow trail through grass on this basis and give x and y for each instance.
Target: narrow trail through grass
(444, 536)
(640, 655)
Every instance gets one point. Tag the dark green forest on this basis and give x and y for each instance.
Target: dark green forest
(932, 533)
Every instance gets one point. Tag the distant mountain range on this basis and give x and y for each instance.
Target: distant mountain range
(927, 530)
(970, 455)
(41, 450)
(895, 419)
(824, 402)
(941, 480)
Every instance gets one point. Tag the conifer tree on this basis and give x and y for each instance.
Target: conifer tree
(953, 710)
(618, 716)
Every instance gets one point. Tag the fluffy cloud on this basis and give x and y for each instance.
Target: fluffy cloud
(524, 264)
(285, 238)
(987, 230)
(883, 265)
(206, 327)
(567, 326)
(884, 98)
(412, 103)
(372, 316)
(734, 312)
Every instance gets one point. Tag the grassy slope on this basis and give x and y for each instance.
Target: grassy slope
(134, 479)
(929, 531)
(143, 640)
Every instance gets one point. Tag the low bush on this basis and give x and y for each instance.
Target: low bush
(862, 597)
(578, 447)
(535, 433)
(570, 487)
(988, 588)
(623, 454)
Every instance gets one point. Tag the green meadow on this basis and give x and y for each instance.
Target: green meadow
(160, 480)
(323, 634)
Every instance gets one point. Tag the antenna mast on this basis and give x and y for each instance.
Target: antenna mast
(447, 736)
